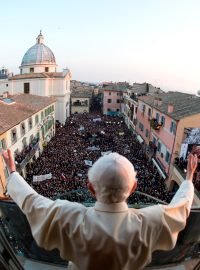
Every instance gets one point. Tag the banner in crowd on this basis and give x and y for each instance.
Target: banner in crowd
(93, 148)
(106, 153)
(81, 128)
(126, 151)
(39, 178)
(97, 119)
(121, 133)
(88, 162)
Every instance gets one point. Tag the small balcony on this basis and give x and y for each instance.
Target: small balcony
(81, 104)
(26, 154)
(155, 124)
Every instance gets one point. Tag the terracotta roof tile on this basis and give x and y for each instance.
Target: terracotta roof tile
(24, 106)
(184, 104)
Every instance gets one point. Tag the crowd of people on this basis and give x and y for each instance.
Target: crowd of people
(78, 144)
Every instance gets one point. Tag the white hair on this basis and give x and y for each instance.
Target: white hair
(112, 177)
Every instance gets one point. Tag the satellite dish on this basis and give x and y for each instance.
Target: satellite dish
(198, 92)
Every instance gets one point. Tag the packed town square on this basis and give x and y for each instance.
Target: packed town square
(77, 145)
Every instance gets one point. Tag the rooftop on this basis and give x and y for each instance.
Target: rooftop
(42, 75)
(184, 104)
(22, 107)
(82, 94)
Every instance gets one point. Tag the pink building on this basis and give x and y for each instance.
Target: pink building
(160, 121)
(113, 98)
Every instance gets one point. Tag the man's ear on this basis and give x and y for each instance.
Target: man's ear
(91, 189)
(134, 187)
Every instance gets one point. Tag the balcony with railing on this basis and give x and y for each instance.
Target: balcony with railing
(155, 124)
(22, 158)
(16, 230)
(80, 103)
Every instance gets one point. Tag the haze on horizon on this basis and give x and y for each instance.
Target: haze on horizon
(109, 40)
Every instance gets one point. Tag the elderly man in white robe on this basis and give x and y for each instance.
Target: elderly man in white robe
(110, 235)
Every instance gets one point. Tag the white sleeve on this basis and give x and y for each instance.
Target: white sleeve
(52, 222)
(175, 215)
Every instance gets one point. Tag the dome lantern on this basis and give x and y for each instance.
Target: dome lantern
(40, 38)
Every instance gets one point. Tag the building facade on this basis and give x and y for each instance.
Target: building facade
(80, 102)
(39, 76)
(27, 124)
(161, 121)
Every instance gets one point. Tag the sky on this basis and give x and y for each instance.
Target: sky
(154, 41)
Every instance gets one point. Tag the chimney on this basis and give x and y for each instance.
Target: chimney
(170, 108)
(159, 101)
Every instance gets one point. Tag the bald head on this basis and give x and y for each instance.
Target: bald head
(113, 178)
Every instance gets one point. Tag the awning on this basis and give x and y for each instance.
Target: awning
(159, 169)
(140, 139)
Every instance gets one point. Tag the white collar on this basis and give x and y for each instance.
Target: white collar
(113, 207)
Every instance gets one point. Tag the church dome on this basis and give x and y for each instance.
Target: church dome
(39, 54)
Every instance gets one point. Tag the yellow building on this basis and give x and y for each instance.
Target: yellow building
(26, 123)
(3, 170)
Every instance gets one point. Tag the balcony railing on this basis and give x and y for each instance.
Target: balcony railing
(26, 154)
(80, 104)
(17, 231)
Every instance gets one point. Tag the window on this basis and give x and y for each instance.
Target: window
(117, 110)
(163, 121)
(16, 153)
(36, 119)
(154, 140)
(157, 117)
(167, 157)
(147, 133)
(159, 147)
(30, 124)
(141, 126)
(143, 108)
(149, 112)
(31, 138)
(118, 94)
(7, 85)
(46, 69)
(14, 135)
(26, 88)
(118, 100)
(109, 93)
(109, 100)
(46, 112)
(31, 70)
(22, 128)
(108, 110)
(46, 128)
(24, 142)
(173, 127)
(6, 173)
(20, 70)
(3, 144)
